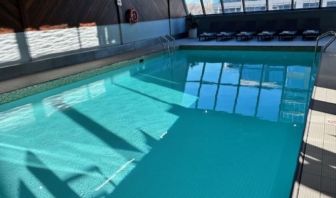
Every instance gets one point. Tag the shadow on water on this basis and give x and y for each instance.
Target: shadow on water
(207, 155)
(191, 161)
(141, 93)
(94, 169)
(3, 192)
(48, 178)
(24, 191)
(212, 154)
(150, 141)
(98, 130)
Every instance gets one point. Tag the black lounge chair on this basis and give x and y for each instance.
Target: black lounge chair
(224, 36)
(289, 28)
(244, 36)
(266, 35)
(287, 35)
(311, 28)
(206, 36)
(310, 34)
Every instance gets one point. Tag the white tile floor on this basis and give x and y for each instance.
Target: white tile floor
(318, 177)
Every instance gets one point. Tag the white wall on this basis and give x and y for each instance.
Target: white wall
(151, 29)
(9, 50)
(178, 25)
(144, 30)
(48, 42)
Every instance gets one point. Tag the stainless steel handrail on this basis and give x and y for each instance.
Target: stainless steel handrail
(165, 40)
(330, 41)
(172, 41)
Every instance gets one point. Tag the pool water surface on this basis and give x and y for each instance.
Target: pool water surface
(194, 124)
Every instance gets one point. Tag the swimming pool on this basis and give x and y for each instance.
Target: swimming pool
(196, 124)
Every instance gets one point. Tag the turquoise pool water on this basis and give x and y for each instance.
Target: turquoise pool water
(198, 124)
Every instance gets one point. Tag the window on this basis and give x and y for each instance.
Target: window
(207, 96)
(229, 93)
(212, 72)
(255, 5)
(298, 77)
(231, 6)
(279, 4)
(247, 100)
(212, 6)
(306, 4)
(194, 7)
(328, 3)
(230, 74)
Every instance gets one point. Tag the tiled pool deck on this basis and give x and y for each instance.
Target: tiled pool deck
(317, 173)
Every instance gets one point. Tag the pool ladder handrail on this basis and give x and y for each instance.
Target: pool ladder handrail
(324, 48)
(170, 43)
(165, 43)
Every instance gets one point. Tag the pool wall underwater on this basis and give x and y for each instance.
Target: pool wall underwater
(198, 123)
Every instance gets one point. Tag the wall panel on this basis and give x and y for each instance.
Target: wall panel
(148, 10)
(42, 14)
(177, 9)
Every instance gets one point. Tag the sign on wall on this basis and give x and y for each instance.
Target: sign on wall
(119, 3)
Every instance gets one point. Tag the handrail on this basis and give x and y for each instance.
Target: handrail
(172, 39)
(165, 40)
(331, 40)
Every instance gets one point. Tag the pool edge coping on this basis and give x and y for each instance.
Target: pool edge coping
(250, 47)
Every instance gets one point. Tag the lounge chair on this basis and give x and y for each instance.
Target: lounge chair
(310, 34)
(223, 36)
(244, 36)
(266, 35)
(287, 35)
(206, 36)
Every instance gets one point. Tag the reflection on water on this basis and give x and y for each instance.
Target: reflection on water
(158, 123)
(275, 93)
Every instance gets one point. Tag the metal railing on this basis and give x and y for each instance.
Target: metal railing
(165, 43)
(168, 42)
(172, 41)
(330, 41)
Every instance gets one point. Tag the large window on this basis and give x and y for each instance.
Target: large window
(231, 6)
(255, 5)
(279, 4)
(194, 7)
(212, 6)
(328, 3)
(306, 4)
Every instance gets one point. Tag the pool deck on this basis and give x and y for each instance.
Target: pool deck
(317, 175)
(317, 171)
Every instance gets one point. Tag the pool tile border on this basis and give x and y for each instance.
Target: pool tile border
(250, 47)
(45, 86)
